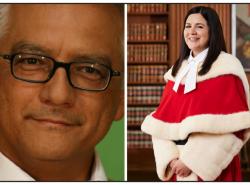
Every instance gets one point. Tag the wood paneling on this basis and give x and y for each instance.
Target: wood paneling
(248, 77)
(141, 165)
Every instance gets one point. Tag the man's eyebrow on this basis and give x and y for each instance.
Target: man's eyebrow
(23, 46)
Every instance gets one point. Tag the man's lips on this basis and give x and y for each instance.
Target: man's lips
(54, 121)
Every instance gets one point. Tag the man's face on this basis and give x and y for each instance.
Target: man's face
(54, 121)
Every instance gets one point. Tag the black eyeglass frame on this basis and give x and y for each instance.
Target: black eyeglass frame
(56, 65)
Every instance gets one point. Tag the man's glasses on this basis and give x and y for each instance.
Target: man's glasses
(85, 75)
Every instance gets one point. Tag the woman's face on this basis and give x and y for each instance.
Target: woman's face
(196, 33)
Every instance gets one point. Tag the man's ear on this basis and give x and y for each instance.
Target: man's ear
(120, 109)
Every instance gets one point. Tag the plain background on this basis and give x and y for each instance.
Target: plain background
(111, 151)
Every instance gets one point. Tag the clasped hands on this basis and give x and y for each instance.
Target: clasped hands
(179, 168)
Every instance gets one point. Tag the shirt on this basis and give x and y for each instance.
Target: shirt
(9, 171)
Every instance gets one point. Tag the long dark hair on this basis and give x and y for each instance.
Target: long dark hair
(216, 39)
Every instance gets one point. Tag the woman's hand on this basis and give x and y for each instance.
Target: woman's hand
(179, 168)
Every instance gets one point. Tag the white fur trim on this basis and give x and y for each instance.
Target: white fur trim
(224, 64)
(192, 176)
(208, 154)
(165, 151)
(205, 123)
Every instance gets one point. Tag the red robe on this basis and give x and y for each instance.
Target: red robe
(214, 117)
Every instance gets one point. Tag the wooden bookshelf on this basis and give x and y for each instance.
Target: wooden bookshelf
(147, 62)
(150, 9)
(149, 14)
(147, 41)
(141, 165)
(146, 83)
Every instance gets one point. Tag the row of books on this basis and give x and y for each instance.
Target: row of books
(147, 52)
(147, 32)
(151, 90)
(146, 73)
(136, 115)
(144, 94)
(138, 139)
(147, 8)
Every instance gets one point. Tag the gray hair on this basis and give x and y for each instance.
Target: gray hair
(4, 16)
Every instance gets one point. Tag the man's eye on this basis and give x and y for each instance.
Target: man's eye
(32, 61)
(89, 70)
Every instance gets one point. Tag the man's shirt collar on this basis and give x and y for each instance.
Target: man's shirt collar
(9, 171)
(98, 173)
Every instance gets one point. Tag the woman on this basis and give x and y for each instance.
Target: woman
(203, 119)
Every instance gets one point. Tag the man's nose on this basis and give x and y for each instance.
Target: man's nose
(58, 91)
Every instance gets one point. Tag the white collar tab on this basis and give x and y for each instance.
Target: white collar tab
(190, 71)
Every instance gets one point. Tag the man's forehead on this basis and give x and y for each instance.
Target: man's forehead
(82, 9)
(78, 15)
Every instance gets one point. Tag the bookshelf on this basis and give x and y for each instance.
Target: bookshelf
(148, 57)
